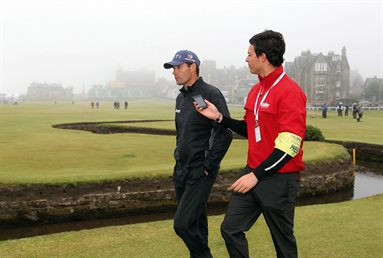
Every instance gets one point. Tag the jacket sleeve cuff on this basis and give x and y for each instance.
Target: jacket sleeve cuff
(260, 173)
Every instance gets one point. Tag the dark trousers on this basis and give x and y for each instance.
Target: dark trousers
(273, 197)
(190, 220)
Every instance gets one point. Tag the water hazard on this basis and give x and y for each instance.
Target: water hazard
(368, 182)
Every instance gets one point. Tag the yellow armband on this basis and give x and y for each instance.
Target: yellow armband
(289, 143)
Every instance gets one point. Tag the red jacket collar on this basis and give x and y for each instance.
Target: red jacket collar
(267, 81)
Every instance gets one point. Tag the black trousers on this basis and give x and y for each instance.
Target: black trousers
(273, 197)
(190, 220)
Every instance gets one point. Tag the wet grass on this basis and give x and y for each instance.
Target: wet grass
(368, 130)
(34, 152)
(342, 230)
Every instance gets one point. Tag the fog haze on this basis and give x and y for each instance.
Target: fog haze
(80, 43)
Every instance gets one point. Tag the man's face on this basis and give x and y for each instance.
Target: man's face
(182, 73)
(253, 61)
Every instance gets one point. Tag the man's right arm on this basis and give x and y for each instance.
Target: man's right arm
(237, 126)
(222, 118)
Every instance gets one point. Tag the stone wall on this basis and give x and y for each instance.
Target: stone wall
(101, 205)
(87, 206)
(364, 151)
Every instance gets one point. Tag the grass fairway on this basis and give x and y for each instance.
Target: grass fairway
(33, 152)
(342, 230)
(369, 130)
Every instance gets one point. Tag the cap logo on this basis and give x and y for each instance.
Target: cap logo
(182, 56)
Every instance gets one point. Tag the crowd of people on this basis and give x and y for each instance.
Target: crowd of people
(342, 110)
(116, 105)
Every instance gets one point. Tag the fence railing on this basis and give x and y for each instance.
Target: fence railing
(335, 108)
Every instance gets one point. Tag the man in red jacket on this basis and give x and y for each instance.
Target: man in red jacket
(274, 124)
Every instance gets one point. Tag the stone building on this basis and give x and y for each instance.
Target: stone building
(324, 78)
(133, 84)
(234, 83)
(48, 91)
(373, 90)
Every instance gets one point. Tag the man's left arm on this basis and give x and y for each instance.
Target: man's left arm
(287, 146)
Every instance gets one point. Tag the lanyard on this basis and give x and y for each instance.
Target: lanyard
(256, 110)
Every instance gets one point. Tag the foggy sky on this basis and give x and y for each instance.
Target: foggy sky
(82, 42)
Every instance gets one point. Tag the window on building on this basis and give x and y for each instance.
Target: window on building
(321, 67)
(319, 96)
(338, 68)
(336, 58)
(320, 81)
(337, 94)
(338, 83)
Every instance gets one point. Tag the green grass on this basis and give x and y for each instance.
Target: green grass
(34, 152)
(369, 130)
(342, 230)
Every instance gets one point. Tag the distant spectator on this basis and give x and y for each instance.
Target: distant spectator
(126, 104)
(92, 104)
(346, 110)
(340, 109)
(97, 104)
(354, 110)
(324, 110)
(359, 112)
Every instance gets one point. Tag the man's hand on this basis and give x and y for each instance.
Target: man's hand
(210, 112)
(244, 183)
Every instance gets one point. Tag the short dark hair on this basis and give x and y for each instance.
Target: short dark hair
(272, 44)
(196, 69)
